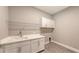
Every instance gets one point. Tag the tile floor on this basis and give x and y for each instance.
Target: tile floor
(55, 48)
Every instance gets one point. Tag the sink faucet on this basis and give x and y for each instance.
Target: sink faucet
(20, 33)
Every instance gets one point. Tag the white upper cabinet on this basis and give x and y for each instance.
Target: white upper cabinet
(48, 23)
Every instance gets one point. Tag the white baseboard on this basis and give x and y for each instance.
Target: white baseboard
(66, 46)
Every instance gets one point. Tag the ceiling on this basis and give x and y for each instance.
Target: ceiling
(51, 9)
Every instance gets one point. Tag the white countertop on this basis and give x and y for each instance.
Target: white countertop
(13, 39)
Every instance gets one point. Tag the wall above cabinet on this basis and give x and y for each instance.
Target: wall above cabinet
(48, 23)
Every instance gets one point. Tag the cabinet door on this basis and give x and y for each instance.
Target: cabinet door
(49, 23)
(26, 48)
(41, 44)
(34, 45)
(11, 50)
(44, 22)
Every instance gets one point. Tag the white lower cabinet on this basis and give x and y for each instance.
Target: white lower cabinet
(11, 50)
(41, 44)
(34, 45)
(28, 46)
(25, 49)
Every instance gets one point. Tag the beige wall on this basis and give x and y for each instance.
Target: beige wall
(67, 27)
(31, 17)
(3, 22)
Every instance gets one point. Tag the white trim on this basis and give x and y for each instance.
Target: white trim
(66, 46)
